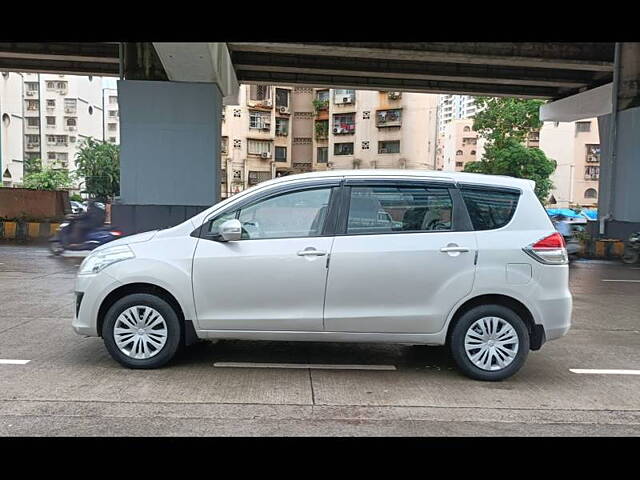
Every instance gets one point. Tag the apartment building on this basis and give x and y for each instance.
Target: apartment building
(575, 146)
(60, 111)
(458, 145)
(454, 107)
(11, 128)
(278, 130)
(111, 116)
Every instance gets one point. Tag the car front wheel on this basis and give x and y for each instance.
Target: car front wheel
(489, 342)
(141, 331)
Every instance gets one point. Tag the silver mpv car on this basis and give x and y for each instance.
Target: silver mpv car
(434, 258)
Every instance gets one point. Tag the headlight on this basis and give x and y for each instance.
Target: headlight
(101, 259)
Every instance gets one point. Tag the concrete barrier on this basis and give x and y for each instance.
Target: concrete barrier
(22, 231)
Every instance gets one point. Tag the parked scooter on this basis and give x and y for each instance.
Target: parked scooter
(93, 239)
(632, 249)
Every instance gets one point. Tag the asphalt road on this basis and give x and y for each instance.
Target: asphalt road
(70, 386)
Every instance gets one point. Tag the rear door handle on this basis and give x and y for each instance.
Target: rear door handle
(311, 252)
(454, 249)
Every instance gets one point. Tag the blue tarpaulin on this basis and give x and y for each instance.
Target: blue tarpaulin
(589, 214)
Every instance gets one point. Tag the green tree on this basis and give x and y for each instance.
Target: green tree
(32, 165)
(505, 123)
(48, 179)
(99, 164)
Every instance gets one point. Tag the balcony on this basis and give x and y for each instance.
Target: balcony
(388, 118)
(71, 110)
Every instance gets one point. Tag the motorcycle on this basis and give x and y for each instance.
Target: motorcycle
(632, 249)
(96, 237)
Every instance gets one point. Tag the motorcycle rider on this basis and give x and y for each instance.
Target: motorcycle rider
(93, 218)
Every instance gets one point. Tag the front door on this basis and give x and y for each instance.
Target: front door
(401, 263)
(274, 277)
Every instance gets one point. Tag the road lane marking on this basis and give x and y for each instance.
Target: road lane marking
(605, 371)
(316, 366)
(630, 281)
(14, 362)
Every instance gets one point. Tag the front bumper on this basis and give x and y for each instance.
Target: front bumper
(91, 290)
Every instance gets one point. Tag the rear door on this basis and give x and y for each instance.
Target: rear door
(404, 254)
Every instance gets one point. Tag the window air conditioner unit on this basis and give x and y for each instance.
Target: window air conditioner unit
(267, 102)
(29, 94)
(265, 154)
(283, 110)
(336, 130)
(346, 99)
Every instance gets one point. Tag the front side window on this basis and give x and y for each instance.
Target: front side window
(290, 215)
(387, 209)
(489, 209)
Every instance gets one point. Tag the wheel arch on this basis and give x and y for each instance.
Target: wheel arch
(188, 334)
(536, 332)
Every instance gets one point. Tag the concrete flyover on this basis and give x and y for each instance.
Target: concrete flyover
(161, 156)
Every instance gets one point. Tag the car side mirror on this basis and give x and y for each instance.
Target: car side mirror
(230, 231)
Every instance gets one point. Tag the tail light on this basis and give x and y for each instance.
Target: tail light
(549, 250)
(116, 233)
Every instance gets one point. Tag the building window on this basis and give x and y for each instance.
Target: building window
(459, 152)
(467, 128)
(71, 122)
(281, 154)
(224, 144)
(112, 139)
(322, 95)
(51, 121)
(113, 100)
(70, 105)
(259, 92)
(473, 152)
(343, 148)
(31, 86)
(389, 118)
(51, 155)
(343, 97)
(259, 120)
(113, 127)
(33, 139)
(323, 155)
(113, 113)
(51, 103)
(282, 127)
(259, 147)
(344, 124)
(459, 164)
(282, 97)
(33, 122)
(593, 153)
(256, 177)
(389, 147)
(32, 105)
(583, 127)
(592, 172)
(590, 193)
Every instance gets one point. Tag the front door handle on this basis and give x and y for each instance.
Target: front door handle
(454, 249)
(311, 252)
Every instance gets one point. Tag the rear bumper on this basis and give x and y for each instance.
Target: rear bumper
(555, 316)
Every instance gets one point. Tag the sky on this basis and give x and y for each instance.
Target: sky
(109, 82)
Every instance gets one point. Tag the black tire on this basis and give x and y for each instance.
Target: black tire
(630, 256)
(457, 339)
(166, 353)
(56, 247)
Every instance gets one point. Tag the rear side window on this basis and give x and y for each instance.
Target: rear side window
(489, 209)
(386, 209)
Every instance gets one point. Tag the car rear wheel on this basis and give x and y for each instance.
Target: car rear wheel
(141, 331)
(489, 342)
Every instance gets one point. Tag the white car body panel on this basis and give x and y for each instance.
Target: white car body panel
(379, 288)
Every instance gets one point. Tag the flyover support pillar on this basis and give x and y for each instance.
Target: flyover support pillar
(170, 152)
